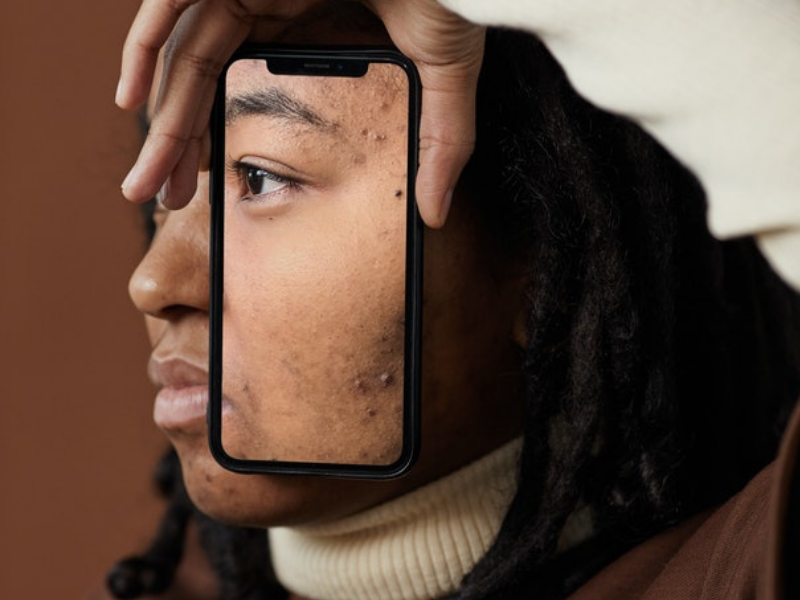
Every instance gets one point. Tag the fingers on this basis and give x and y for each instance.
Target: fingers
(204, 33)
(203, 38)
(448, 52)
(447, 139)
(149, 32)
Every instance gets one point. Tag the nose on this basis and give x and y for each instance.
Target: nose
(172, 278)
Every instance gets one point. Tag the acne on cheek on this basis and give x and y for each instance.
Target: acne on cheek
(372, 135)
(379, 385)
(366, 385)
(370, 138)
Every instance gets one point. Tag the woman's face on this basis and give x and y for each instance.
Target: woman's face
(313, 309)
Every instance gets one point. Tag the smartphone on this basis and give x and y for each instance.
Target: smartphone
(316, 263)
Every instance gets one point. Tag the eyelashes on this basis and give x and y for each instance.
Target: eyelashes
(256, 183)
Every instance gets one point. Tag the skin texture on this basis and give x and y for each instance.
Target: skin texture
(305, 201)
(471, 385)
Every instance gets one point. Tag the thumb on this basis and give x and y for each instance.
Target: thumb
(448, 52)
(447, 137)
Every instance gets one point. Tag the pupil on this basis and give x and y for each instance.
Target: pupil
(254, 180)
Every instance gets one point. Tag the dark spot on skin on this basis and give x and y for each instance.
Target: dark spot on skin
(359, 159)
(387, 379)
(373, 135)
(371, 412)
(360, 385)
(398, 193)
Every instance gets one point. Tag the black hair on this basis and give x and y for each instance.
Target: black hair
(668, 359)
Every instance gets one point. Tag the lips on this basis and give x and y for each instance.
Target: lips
(182, 401)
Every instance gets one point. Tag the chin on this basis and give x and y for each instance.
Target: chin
(264, 501)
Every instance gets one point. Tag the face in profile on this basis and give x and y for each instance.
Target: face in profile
(314, 307)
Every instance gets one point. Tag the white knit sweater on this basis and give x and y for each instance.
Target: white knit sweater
(417, 547)
(717, 82)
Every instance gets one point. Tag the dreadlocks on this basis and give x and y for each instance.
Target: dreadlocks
(661, 359)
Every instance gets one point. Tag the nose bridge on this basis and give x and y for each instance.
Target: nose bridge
(172, 277)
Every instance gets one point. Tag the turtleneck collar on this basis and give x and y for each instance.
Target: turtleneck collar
(416, 547)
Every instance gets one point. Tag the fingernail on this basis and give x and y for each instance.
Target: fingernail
(128, 179)
(119, 93)
(163, 194)
(445, 209)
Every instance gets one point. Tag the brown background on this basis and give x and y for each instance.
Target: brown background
(76, 436)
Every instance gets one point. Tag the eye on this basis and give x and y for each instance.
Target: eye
(259, 181)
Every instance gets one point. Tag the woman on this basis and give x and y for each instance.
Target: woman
(614, 319)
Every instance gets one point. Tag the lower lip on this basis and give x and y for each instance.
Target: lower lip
(177, 408)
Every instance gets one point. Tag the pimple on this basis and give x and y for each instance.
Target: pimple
(373, 136)
(398, 193)
(387, 379)
(360, 385)
(360, 158)
(371, 412)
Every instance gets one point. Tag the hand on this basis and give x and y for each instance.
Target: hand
(200, 35)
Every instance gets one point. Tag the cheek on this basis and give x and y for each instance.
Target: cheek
(313, 334)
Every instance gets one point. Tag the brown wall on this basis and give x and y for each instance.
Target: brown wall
(76, 437)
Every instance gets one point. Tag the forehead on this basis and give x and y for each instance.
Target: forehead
(321, 101)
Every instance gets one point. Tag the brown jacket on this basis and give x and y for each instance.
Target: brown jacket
(746, 549)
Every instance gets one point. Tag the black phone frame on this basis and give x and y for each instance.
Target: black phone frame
(350, 57)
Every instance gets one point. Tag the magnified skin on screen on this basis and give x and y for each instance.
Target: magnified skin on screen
(315, 237)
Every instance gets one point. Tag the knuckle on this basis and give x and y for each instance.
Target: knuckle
(178, 6)
(203, 66)
(176, 139)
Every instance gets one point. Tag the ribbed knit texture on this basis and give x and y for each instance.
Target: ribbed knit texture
(417, 547)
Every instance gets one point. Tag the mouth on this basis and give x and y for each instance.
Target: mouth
(181, 408)
(182, 401)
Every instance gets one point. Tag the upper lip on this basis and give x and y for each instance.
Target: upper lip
(176, 372)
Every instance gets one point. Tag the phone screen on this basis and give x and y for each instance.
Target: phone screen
(316, 263)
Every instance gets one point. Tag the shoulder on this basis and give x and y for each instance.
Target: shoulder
(739, 551)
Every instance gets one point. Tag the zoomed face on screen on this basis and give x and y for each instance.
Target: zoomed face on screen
(316, 259)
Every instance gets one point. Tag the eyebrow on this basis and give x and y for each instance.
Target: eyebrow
(272, 102)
